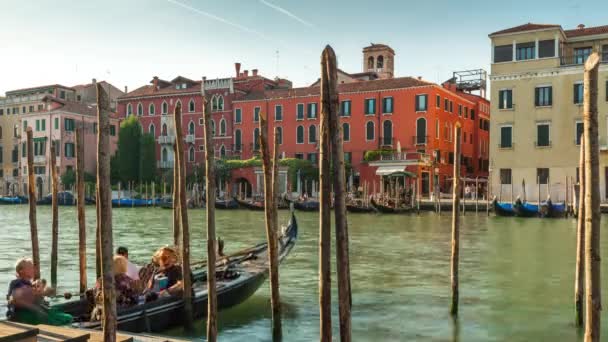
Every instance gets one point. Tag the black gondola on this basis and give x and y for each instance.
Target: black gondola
(524, 209)
(226, 204)
(354, 208)
(306, 205)
(256, 206)
(502, 209)
(550, 210)
(388, 210)
(249, 269)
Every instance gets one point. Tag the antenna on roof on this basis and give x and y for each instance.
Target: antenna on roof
(277, 66)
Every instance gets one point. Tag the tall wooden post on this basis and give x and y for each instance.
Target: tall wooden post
(54, 218)
(176, 216)
(455, 223)
(32, 202)
(579, 272)
(82, 229)
(105, 215)
(324, 213)
(476, 195)
(183, 210)
(593, 301)
(270, 211)
(210, 188)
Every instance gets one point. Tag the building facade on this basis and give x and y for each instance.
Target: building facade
(411, 117)
(537, 97)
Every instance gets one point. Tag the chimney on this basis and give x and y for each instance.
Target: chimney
(246, 73)
(581, 26)
(155, 83)
(255, 72)
(420, 78)
(126, 91)
(237, 67)
(94, 81)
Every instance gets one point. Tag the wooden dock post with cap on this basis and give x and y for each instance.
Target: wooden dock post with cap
(54, 218)
(32, 203)
(80, 202)
(593, 302)
(579, 272)
(455, 223)
(105, 215)
(210, 195)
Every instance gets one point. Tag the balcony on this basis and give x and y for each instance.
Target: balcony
(574, 60)
(420, 139)
(167, 164)
(255, 148)
(237, 149)
(386, 142)
(190, 138)
(166, 139)
(39, 159)
(411, 158)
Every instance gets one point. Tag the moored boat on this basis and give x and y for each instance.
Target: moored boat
(226, 204)
(550, 210)
(251, 205)
(132, 202)
(13, 200)
(238, 278)
(525, 209)
(388, 209)
(502, 208)
(357, 208)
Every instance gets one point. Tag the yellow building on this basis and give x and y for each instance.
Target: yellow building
(536, 99)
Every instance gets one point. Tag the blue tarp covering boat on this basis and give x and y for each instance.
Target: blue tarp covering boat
(13, 200)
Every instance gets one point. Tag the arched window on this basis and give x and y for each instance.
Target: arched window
(421, 131)
(152, 129)
(370, 62)
(256, 139)
(179, 103)
(212, 128)
(164, 154)
(191, 154)
(165, 108)
(129, 109)
(369, 130)
(346, 131)
(387, 131)
(279, 133)
(300, 135)
(312, 134)
(191, 128)
(222, 127)
(214, 103)
(140, 109)
(380, 62)
(237, 140)
(222, 151)
(220, 103)
(163, 131)
(151, 109)
(191, 106)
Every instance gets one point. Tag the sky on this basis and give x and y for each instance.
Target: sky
(127, 42)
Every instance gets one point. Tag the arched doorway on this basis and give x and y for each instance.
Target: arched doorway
(243, 188)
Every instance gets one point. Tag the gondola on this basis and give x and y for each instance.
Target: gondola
(245, 272)
(132, 202)
(306, 205)
(388, 210)
(525, 209)
(502, 209)
(550, 210)
(63, 198)
(226, 204)
(354, 208)
(13, 200)
(256, 206)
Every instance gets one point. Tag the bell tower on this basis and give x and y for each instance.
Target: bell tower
(379, 58)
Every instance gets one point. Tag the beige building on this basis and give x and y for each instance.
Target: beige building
(536, 99)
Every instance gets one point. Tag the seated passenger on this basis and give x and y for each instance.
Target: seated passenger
(132, 269)
(25, 300)
(167, 279)
(125, 287)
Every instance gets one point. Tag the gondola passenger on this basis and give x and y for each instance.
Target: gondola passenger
(167, 279)
(125, 287)
(26, 299)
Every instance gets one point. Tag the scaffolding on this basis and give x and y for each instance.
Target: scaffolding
(470, 81)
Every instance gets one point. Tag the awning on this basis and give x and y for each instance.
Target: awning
(394, 171)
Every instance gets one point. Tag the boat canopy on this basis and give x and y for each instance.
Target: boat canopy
(394, 171)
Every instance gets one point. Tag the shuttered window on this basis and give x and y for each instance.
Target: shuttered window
(506, 137)
(505, 99)
(503, 53)
(543, 96)
(542, 135)
(542, 175)
(579, 132)
(578, 93)
(300, 111)
(421, 103)
(300, 135)
(387, 105)
(505, 176)
(546, 48)
(345, 108)
(370, 106)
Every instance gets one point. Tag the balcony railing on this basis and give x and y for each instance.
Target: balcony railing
(39, 159)
(190, 138)
(237, 149)
(255, 148)
(570, 60)
(420, 139)
(166, 139)
(168, 164)
(405, 156)
(20, 99)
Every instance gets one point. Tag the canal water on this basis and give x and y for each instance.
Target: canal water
(516, 274)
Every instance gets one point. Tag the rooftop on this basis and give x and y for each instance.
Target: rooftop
(13, 92)
(577, 32)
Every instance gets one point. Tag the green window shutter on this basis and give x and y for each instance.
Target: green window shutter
(56, 123)
(417, 103)
(575, 93)
(550, 90)
(44, 124)
(509, 98)
(23, 150)
(37, 125)
(501, 99)
(536, 97)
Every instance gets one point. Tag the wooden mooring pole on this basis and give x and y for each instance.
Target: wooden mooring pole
(455, 223)
(54, 218)
(176, 217)
(80, 202)
(210, 188)
(329, 108)
(183, 210)
(105, 216)
(270, 211)
(579, 272)
(32, 202)
(593, 303)
(325, 214)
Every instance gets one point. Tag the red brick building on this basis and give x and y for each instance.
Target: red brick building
(378, 112)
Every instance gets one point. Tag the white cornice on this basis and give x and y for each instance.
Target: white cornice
(549, 72)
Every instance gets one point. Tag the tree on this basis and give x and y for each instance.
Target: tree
(68, 178)
(147, 157)
(128, 152)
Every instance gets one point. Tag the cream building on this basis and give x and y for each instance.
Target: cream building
(536, 99)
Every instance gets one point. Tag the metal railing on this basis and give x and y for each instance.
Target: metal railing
(39, 159)
(237, 148)
(405, 156)
(168, 164)
(166, 139)
(190, 138)
(420, 139)
(570, 60)
(21, 99)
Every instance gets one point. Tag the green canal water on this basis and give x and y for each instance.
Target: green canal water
(516, 274)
